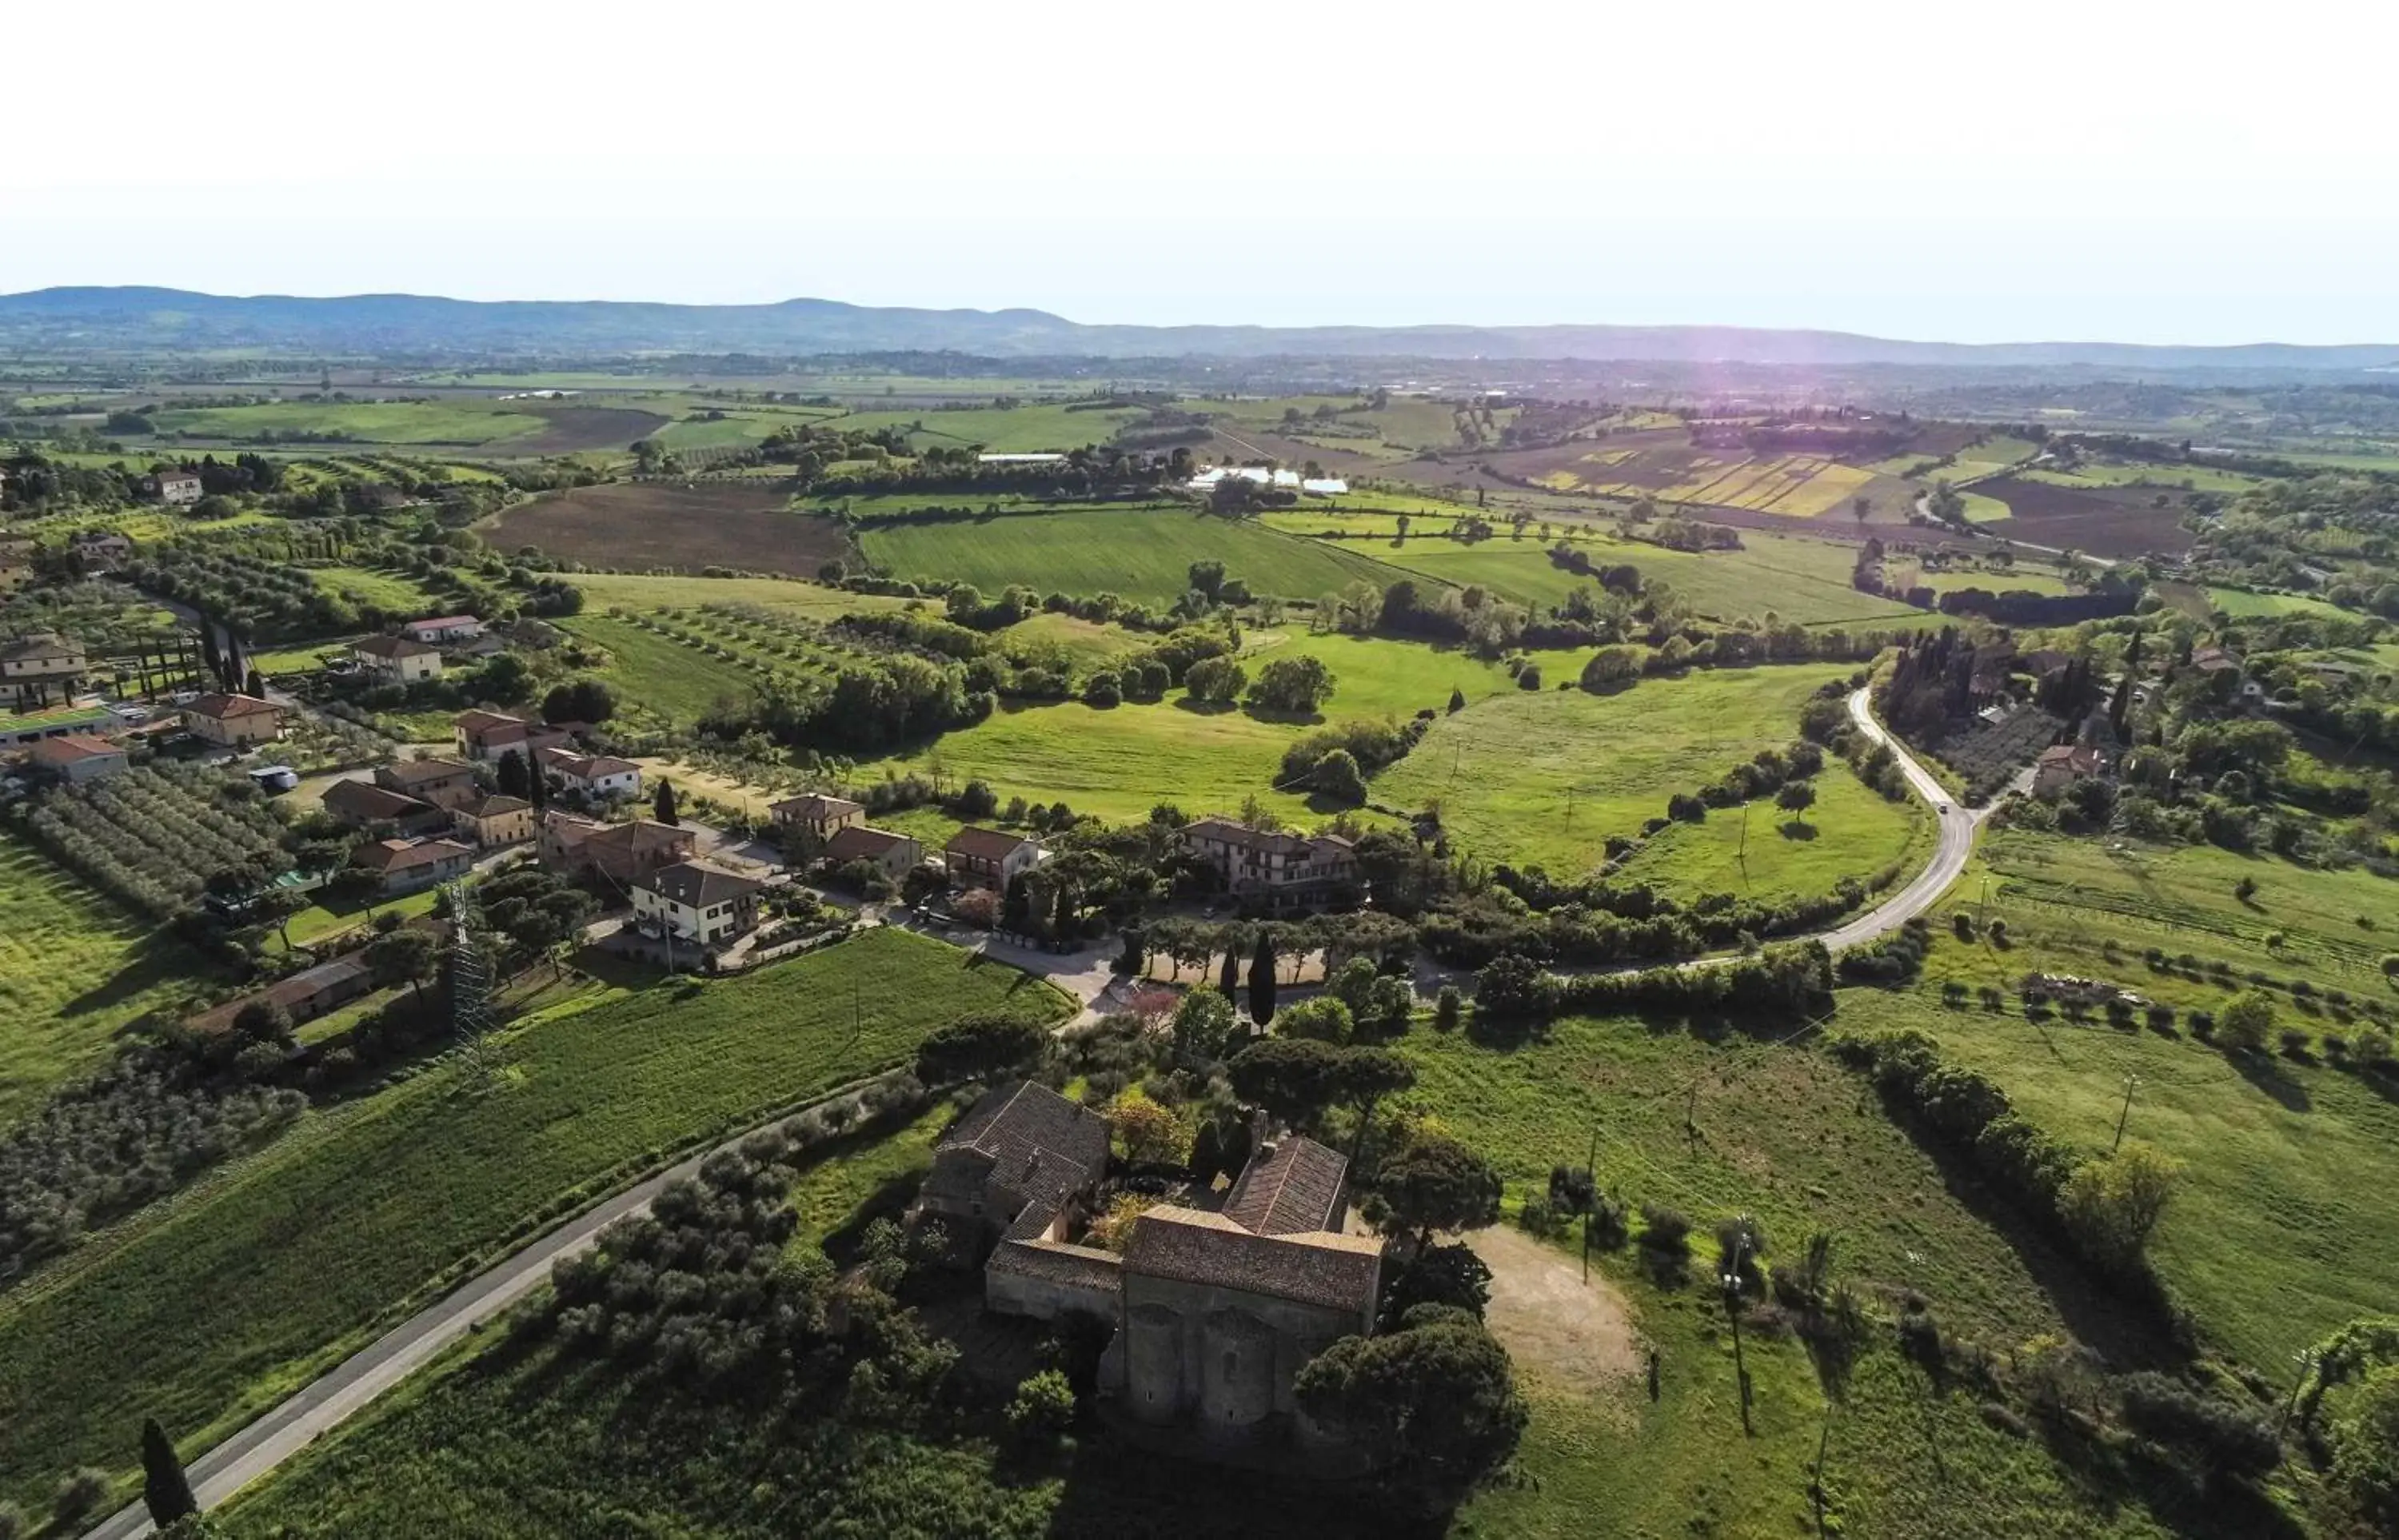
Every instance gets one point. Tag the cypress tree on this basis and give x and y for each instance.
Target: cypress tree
(164, 1486)
(1231, 981)
(1262, 981)
(663, 804)
(512, 775)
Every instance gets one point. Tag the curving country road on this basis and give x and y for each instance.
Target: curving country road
(1956, 827)
(292, 1424)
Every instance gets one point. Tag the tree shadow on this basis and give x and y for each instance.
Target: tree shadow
(1205, 708)
(2129, 1333)
(160, 961)
(1112, 1487)
(2269, 1077)
(1794, 829)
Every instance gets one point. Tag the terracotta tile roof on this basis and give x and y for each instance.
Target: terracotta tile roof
(394, 647)
(74, 749)
(641, 836)
(857, 842)
(224, 707)
(483, 722)
(388, 856)
(442, 623)
(495, 807)
(696, 884)
(1293, 1188)
(815, 806)
(1055, 1262)
(585, 766)
(368, 803)
(409, 773)
(1010, 1121)
(40, 644)
(1318, 1267)
(301, 987)
(983, 844)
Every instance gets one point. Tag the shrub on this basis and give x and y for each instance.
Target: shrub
(1448, 1007)
(1043, 1406)
(1665, 1230)
(2248, 1021)
(2229, 1435)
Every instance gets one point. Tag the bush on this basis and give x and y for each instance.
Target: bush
(1448, 1007)
(78, 1499)
(1043, 1407)
(2228, 1436)
(2248, 1021)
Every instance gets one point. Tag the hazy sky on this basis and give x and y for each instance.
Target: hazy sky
(2093, 170)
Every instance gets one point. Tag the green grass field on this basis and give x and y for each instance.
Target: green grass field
(2135, 473)
(2007, 582)
(446, 421)
(367, 586)
(2279, 1232)
(204, 1308)
(729, 431)
(1143, 555)
(73, 971)
(1120, 762)
(658, 674)
(1851, 831)
(806, 600)
(1032, 430)
(1504, 773)
(1787, 1135)
(1077, 645)
(2241, 602)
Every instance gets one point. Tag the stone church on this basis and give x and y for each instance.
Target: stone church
(1215, 1310)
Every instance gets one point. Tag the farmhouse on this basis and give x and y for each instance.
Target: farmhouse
(2061, 767)
(406, 866)
(24, 728)
(985, 857)
(485, 736)
(16, 572)
(448, 627)
(620, 852)
(233, 721)
(896, 854)
(79, 757)
(600, 776)
(493, 820)
(99, 550)
(304, 996)
(361, 804)
(1215, 1310)
(396, 659)
(694, 902)
(39, 665)
(177, 489)
(1272, 866)
(815, 818)
(444, 783)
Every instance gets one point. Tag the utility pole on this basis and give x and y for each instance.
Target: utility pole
(1744, 856)
(1816, 1487)
(2123, 1113)
(2306, 1359)
(1731, 1281)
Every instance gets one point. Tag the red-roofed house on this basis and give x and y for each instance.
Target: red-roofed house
(79, 757)
(406, 866)
(485, 736)
(986, 857)
(233, 721)
(448, 627)
(600, 775)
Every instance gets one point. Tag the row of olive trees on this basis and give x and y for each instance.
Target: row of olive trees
(154, 836)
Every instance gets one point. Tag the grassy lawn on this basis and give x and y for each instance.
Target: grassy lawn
(1120, 762)
(206, 1307)
(1145, 556)
(447, 421)
(73, 971)
(1543, 778)
(658, 674)
(329, 917)
(366, 585)
(1851, 831)
(2009, 582)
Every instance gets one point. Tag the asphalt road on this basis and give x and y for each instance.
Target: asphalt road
(1957, 826)
(295, 1423)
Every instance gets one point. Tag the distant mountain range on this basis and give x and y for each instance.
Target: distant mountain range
(174, 319)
